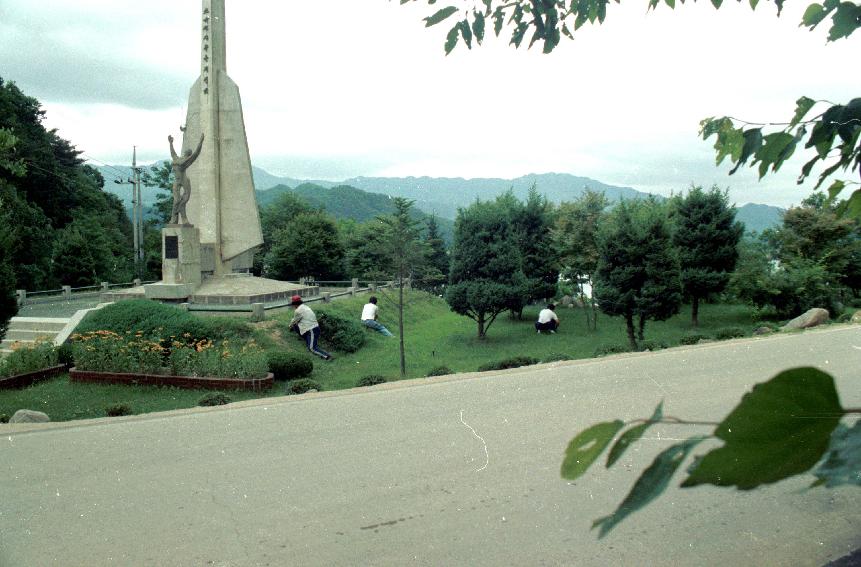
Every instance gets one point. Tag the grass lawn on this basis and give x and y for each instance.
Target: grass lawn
(434, 336)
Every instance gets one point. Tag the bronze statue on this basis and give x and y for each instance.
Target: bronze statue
(181, 183)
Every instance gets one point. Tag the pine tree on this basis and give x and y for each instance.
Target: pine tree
(707, 236)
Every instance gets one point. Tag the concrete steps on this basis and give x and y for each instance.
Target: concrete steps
(28, 330)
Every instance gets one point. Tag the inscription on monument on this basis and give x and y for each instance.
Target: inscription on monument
(171, 247)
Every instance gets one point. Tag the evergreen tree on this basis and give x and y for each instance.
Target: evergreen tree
(485, 275)
(707, 236)
(437, 255)
(637, 274)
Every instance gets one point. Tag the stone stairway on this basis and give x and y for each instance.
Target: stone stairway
(27, 330)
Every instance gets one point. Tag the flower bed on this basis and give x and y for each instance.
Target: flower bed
(188, 382)
(29, 378)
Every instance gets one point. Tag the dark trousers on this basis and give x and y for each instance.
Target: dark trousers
(312, 339)
(550, 325)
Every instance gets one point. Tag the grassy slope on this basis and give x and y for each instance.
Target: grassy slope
(434, 336)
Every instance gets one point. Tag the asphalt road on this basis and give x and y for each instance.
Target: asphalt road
(446, 471)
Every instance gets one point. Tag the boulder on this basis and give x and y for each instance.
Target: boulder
(763, 331)
(811, 318)
(29, 416)
(567, 301)
(856, 318)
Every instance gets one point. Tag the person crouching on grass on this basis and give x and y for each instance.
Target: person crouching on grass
(305, 323)
(547, 320)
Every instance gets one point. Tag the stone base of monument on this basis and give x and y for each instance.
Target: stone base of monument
(168, 292)
(245, 289)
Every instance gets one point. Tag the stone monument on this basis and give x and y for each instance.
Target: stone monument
(208, 246)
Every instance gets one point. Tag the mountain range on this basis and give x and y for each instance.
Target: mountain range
(362, 198)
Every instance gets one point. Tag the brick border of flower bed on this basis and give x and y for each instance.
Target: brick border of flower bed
(188, 382)
(30, 378)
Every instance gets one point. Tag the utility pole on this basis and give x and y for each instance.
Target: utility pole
(137, 212)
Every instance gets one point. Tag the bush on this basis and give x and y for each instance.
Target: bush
(4, 418)
(370, 380)
(301, 386)
(341, 333)
(65, 355)
(118, 410)
(729, 333)
(605, 350)
(214, 399)
(653, 345)
(440, 371)
(515, 362)
(287, 365)
(555, 356)
(693, 339)
(845, 318)
(24, 359)
(151, 318)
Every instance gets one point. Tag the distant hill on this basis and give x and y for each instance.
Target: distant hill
(345, 202)
(757, 218)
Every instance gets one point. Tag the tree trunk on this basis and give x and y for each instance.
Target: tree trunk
(481, 325)
(695, 311)
(629, 321)
(401, 327)
(640, 335)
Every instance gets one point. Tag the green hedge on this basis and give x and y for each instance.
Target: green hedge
(340, 333)
(287, 365)
(515, 362)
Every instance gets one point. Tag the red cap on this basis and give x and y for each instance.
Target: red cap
(296, 299)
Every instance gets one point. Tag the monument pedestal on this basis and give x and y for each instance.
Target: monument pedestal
(180, 268)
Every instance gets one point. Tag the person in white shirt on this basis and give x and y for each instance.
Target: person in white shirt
(369, 317)
(547, 320)
(305, 323)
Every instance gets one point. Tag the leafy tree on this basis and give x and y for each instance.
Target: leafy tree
(29, 249)
(637, 274)
(364, 249)
(575, 239)
(160, 175)
(532, 224)
(706, 235)
(832, 132)
(89, 251)
(308, 245)
(485, 274)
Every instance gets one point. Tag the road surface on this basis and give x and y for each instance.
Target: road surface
(458, 470)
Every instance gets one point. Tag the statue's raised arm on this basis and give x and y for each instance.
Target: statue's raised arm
(197, 150)
(172, 151)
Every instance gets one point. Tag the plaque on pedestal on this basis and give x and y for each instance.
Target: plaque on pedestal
(180, 268)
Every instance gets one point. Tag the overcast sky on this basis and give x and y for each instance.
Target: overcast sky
(333, 89)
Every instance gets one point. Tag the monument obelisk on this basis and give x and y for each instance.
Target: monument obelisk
(223, 204)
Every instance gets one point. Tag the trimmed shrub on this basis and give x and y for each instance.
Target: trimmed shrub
(440, 371)
(605, 350)
(64, 354)
(555, 357)
(515, 362)
(693, 339)
(287, 365)
(302, 385)
(214, 399)
(117, 410)
(653, 345)
(151, 319)
(370, 380)
(345, 335)
(729, 333)
(844, 318)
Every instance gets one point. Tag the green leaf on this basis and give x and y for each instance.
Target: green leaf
(650, 485)
(587, 446)
(632, 435)
(752, 143)
(753, 4)
(780, 429)
(451, 38)
(775, 149)
(844, 21)
(671, 3)
(466, 32)
(842, 465)
(814, 14)
(478, 26)
(439, 16)
(498, 21)
(802, 107)
(851, 208)
(835, 189)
